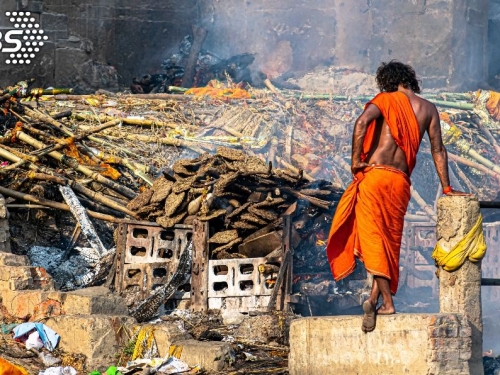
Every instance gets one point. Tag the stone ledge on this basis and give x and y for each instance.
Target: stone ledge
(211, 356)
(37, 303)
(401, 344)
(8, 259)
(25, 278)
(98, 337)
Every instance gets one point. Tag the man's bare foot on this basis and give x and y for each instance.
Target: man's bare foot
(386, 310)
(370, 317)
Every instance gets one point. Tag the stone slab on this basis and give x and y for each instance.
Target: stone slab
(96, 300)
(37, 303)
(166, 334)
(25, 278)
(98, 337)
(211, 356)
(7, 259)
(31, 304)
(417, 344)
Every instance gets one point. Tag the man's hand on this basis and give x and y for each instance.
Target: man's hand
(458, 193)
(359, 166)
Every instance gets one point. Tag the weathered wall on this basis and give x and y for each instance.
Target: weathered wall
(417, 344)
(88, 38)
(494, 44)
(446, 40)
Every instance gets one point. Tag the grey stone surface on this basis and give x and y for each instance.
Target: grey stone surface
(446, 41)
(460, 291)
(417, 344)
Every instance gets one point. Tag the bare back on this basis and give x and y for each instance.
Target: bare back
(384, 150)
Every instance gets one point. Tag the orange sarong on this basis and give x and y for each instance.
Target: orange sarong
(369, 218)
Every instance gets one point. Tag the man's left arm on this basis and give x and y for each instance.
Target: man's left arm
(372, 112)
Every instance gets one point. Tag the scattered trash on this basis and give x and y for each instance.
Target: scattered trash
(49, 337)
(48, 359)
(34, 341)
(59, 371)
(173, 366)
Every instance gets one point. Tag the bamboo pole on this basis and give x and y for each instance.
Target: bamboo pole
(167, 141)
(52, 204)
(98, 197)
(158, 96)
(80, 168)
(472, 164)
(490, 137)
(125, 120)
(428, 210)
(37, 115)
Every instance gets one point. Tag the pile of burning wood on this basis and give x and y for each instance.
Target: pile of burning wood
(221, 153)
(242, 197)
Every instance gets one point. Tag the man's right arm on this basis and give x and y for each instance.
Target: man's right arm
(438, 151)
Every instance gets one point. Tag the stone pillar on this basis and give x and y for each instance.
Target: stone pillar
(460, 291)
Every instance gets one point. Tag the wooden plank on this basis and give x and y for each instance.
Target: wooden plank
(199, 270)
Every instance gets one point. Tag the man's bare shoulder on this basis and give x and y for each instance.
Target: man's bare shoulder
(426, 105)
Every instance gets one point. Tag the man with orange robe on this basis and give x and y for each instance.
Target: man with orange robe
(369, 219)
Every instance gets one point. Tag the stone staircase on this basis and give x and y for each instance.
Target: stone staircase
(90, 321)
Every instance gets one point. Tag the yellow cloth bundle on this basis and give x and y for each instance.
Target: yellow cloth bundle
(472, 246)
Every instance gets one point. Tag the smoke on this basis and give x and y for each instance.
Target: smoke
(494, 44)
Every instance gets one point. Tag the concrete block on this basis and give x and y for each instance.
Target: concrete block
(261, 328)
(25, 278)
(400, 344)
(97, 300)
(31, 303)
(211, 356)
(98, 337)
(36, 303)
(166, 333)
(7, 259)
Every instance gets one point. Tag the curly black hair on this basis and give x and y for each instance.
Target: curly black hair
(394, 73)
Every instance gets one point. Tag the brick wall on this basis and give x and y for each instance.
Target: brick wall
(445, 40)
(449, 345)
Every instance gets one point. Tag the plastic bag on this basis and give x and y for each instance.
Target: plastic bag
(34, 341)
(59, 371)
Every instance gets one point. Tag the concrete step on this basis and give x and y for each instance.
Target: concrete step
(417, 344)
(25, 278)
(211, 356)
(98, 337)
(7, 259)
(38, 304)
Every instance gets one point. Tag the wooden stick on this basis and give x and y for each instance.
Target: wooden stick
(52, 204)
(159, 96)
(293, 169)
(416, 196)
(199, 35)
(472, 164)
(125, 120)
(37, 115)
(490, 137)
(80, 168)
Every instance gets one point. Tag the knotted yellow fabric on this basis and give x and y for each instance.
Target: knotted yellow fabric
(472, 246)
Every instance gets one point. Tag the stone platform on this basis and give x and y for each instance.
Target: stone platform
(401, 344)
